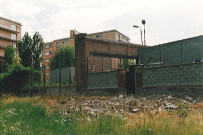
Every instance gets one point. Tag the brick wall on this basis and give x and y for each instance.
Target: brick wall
(86, 63)
(176, 75)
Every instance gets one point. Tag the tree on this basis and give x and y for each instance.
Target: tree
(64, 54)
(25, 50)
(30, 50)
(37, 50)
(9, 55)
(125, 63)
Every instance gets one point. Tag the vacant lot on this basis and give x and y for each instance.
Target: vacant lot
(101, 115)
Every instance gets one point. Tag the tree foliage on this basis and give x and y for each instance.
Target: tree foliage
(64, 54)
(9, 55)
(127, 62)
(30, 50)
(37, 50)
(25, 50)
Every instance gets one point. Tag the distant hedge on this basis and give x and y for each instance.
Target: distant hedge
(17, 77)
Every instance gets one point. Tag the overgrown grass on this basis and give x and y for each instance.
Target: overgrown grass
(30, 116)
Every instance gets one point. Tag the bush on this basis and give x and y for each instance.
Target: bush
(16, 78)
(36, 75)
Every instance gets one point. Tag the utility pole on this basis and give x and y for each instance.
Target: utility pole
(144, 22)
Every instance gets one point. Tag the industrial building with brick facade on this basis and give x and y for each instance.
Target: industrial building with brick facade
(111, 35)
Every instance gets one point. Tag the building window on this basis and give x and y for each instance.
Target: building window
(13, 36)
(99, 36)
(47, 53)
(65, 42)
(123, 38)
(46, 60)
(58, 43)
(196, 60)
(13, 27)
(119, 37)
(14, 45)
(48, 46)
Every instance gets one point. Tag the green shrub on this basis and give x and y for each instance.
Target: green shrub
(36, 75)
(16, 78)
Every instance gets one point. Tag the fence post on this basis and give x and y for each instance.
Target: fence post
(87, 65)
(60, 74)
(181, 53)
(102, 65)
(43, 69)
(31, 76)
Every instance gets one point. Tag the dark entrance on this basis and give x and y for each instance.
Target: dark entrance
(133, 79)
(130, 81)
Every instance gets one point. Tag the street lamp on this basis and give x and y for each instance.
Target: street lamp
(144, 22)
(135, 26)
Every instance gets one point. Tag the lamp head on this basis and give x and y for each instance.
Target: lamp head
(143, 22)
(135, 26)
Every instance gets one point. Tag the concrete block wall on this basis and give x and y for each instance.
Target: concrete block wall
(103, 80)
(175, 75)
(173, 53)
(67, 75)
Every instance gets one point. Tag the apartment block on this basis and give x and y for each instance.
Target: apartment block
(51, 47)
(10, 33)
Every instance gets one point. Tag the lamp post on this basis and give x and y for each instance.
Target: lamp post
(144, 22)
(135, 26)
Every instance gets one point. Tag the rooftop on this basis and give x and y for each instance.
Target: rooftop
(169, 43)
(114, 30)
(109, 31)
(10, 20)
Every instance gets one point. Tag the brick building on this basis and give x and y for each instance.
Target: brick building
(10, 33)
(51, 47)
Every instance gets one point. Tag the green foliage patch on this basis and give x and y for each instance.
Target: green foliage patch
(65, 55)
(16, 78)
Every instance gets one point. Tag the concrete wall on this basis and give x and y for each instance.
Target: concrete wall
(176, 75)
(106, 83)
(67, 75)
(173, 53)
(102, 80)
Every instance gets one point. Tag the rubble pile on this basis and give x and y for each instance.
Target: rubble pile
(95, 106)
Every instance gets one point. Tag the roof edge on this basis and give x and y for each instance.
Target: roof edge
(108, 31)
(5, 19)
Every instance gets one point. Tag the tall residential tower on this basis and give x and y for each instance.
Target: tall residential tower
(10, 33)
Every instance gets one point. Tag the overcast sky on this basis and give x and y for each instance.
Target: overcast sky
(166, 20)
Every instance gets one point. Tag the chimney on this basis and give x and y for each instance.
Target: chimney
(72, 34)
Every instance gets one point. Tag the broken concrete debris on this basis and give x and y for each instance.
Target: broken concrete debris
(95, 105)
